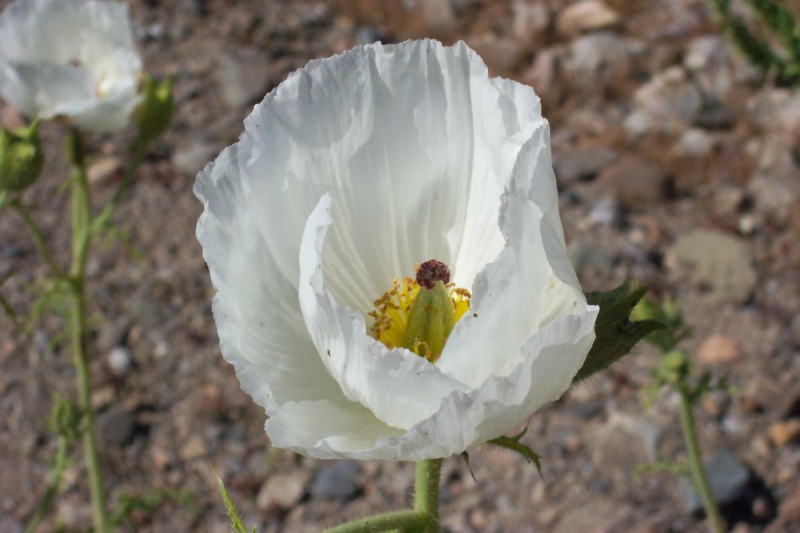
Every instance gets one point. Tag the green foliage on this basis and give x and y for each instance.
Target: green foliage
(155, 112)
(128, 504)
(514, 444)
(675, 369)
(678, 469)
(779, 19)
(64, 421)
(21, 158)
(669, 314)
(616, 333)
(237, 524)
(5, 304)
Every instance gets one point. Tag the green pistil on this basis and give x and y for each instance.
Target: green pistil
(430, 322)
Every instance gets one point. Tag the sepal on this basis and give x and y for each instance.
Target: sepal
(514, 444)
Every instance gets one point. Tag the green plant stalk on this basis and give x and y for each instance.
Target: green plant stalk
(78, 327)
(407, 520)
(424, 518)
(56, 474)
(39, 241)
(696, 468)
(426, 493)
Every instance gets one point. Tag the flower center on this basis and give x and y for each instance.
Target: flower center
(419, 314)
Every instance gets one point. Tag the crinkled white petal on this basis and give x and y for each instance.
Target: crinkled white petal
(73, 58)
(350, 172)
(529, 284)
(256, 309)
(397, 386)
(462, 421)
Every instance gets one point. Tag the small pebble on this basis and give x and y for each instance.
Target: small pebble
(120, 361)
(337, 481)
(719, 349)
(785, 432)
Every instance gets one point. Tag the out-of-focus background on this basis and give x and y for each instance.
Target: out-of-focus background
(677, 164)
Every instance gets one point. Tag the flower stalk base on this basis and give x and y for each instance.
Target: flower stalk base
(424, 518)
(78, 327)
(698, 473)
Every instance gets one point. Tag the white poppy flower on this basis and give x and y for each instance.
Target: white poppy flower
(352, 171)
(72, 58)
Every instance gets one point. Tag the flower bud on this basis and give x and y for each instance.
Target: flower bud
(155, 112)
(21, 157)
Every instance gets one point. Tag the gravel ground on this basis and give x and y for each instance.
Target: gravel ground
(677, 165)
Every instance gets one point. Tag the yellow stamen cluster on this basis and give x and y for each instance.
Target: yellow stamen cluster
(391, 315)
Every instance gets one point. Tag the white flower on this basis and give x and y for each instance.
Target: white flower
(73, 58)
(352, 171)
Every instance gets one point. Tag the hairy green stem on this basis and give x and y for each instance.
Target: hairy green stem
(424, 518)
(53, 486)
(38, 237)
(426, 493)
(402, 520)
(696, 468)
(78, 327)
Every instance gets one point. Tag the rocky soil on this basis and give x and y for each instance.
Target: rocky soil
(678, 167)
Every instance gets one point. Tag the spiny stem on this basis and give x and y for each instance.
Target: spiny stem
(53, 486)
(402, 520)
(78, 327)
(698, 472)
(426, 493)
(38, 237)
(424, 518)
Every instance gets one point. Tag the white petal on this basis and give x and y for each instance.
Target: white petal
(399, 387)
(523, 289)
(74, 58)
(327, 430)
(256, 309)
(462, 421)
(419, 130)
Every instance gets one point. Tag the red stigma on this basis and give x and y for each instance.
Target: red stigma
(432, 271)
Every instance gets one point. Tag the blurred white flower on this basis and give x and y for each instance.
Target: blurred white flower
(72, 58)
(350, 173)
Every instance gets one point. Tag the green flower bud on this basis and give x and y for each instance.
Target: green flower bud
(155, 112)
(21, 158)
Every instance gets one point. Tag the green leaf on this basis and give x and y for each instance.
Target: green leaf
(237, 524)
(668, 313)
(616, 332)
(514, 444)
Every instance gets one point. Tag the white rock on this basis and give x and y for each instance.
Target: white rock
(598, 58)
(531, 20)
(670, 100)
(637, 124)
(586, 15)
(694, 143)
(120, 360)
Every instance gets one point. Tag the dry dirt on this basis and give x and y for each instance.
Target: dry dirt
(640, 166)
